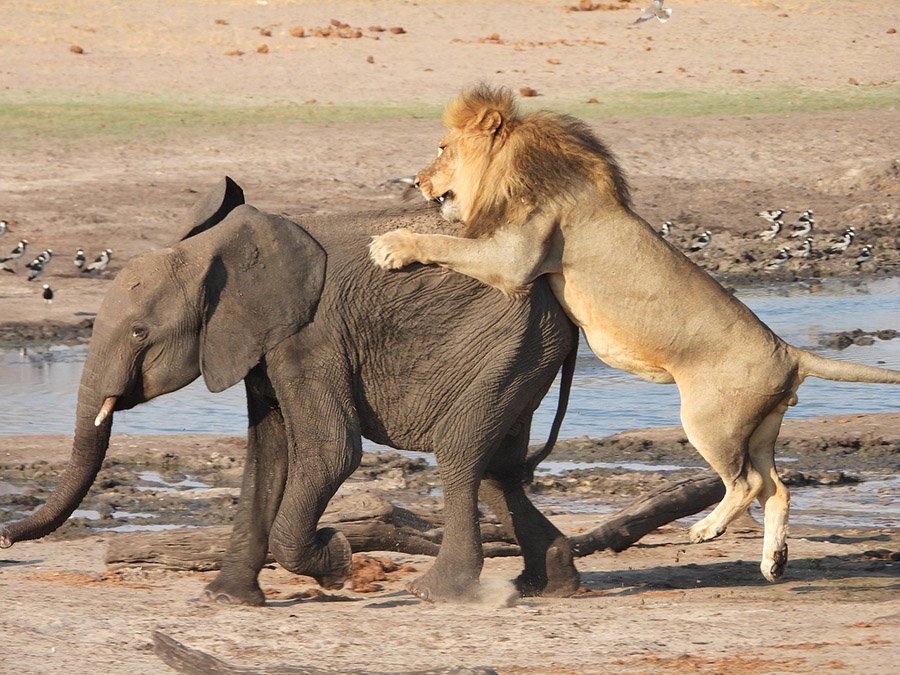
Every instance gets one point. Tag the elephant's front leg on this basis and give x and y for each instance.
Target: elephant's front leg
(325, 447)
(263, 484)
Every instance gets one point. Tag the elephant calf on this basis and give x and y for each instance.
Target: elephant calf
(330, 349)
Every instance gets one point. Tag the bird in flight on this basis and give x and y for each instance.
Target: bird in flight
(655, 10)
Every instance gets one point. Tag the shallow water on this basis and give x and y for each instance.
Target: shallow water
(872, 503)
(38, 390)
(869, 504)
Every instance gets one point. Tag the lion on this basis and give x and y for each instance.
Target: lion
(539, 194)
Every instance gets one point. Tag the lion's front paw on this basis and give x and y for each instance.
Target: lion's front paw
(394, 249)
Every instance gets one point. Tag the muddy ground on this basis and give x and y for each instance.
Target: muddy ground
(115, 117)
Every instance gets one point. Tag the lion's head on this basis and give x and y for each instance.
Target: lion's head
(496, 165)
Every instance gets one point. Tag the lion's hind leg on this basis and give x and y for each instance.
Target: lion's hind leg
(774, 497)
(741, 488)
(725, 446)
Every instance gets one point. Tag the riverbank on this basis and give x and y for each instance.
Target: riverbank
(132, 197)
(194, 479)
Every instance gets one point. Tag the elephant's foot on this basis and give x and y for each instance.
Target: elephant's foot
(559, 579)
(225, 590)
(436, 587)
(772, 569)
(328, 562)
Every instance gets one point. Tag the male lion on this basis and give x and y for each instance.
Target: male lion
(539, 194)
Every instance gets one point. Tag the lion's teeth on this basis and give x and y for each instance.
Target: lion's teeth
(441, 199)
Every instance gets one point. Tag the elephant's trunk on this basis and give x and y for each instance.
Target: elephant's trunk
(88, 450)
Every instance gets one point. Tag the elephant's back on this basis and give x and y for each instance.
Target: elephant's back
(420, 217)
(434, 294)
(423, 335)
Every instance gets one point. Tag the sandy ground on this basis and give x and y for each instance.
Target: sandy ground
(662, 605)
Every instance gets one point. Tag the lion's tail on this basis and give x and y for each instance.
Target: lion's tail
(843, 371)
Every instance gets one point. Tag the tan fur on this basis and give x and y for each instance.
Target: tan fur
(496, 159)
(539, 194)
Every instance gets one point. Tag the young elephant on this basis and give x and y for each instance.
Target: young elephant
(330, 350)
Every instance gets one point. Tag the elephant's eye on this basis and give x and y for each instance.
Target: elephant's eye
(139, 333)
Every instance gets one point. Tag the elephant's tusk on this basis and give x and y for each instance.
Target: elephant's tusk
(107, 408)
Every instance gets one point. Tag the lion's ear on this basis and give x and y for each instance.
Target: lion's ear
(487, 121)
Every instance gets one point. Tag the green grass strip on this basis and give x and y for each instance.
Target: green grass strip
(25, 117)
(755, 101)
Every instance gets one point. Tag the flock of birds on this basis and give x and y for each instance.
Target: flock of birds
(801, 230)
(38, 264)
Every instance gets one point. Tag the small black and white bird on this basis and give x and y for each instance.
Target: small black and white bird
(80, 258)
(782, 257)
(4, 227)
(772, 232)
(804, 224)
(843, 243)
(43, 257)
(47, 294)
(666, 229)
(700, 242)
(36, 268)
(38, 264)
(410, 186)
(408, 181)
(100, 262)
(655, 10)
(17, 252)
(771, 215)
(864, 256)
(804, 249)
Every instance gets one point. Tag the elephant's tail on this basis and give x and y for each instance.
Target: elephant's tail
(565, 386)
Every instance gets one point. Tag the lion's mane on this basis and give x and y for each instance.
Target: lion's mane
(526, 161)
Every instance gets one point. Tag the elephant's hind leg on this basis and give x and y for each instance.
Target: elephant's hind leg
(454, 575)
(549, 568)
(774, 497)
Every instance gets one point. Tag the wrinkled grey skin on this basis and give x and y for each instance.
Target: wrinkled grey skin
(330, 349)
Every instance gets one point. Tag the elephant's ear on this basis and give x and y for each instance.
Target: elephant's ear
(263, 284)
(212, 208)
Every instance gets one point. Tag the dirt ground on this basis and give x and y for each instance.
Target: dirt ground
(662, 605)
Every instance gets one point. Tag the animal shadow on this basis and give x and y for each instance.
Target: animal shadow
(745, 573)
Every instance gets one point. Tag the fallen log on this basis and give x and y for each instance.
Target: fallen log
(372, 523)
(651, 511)
(183, 659)
(368, 520)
